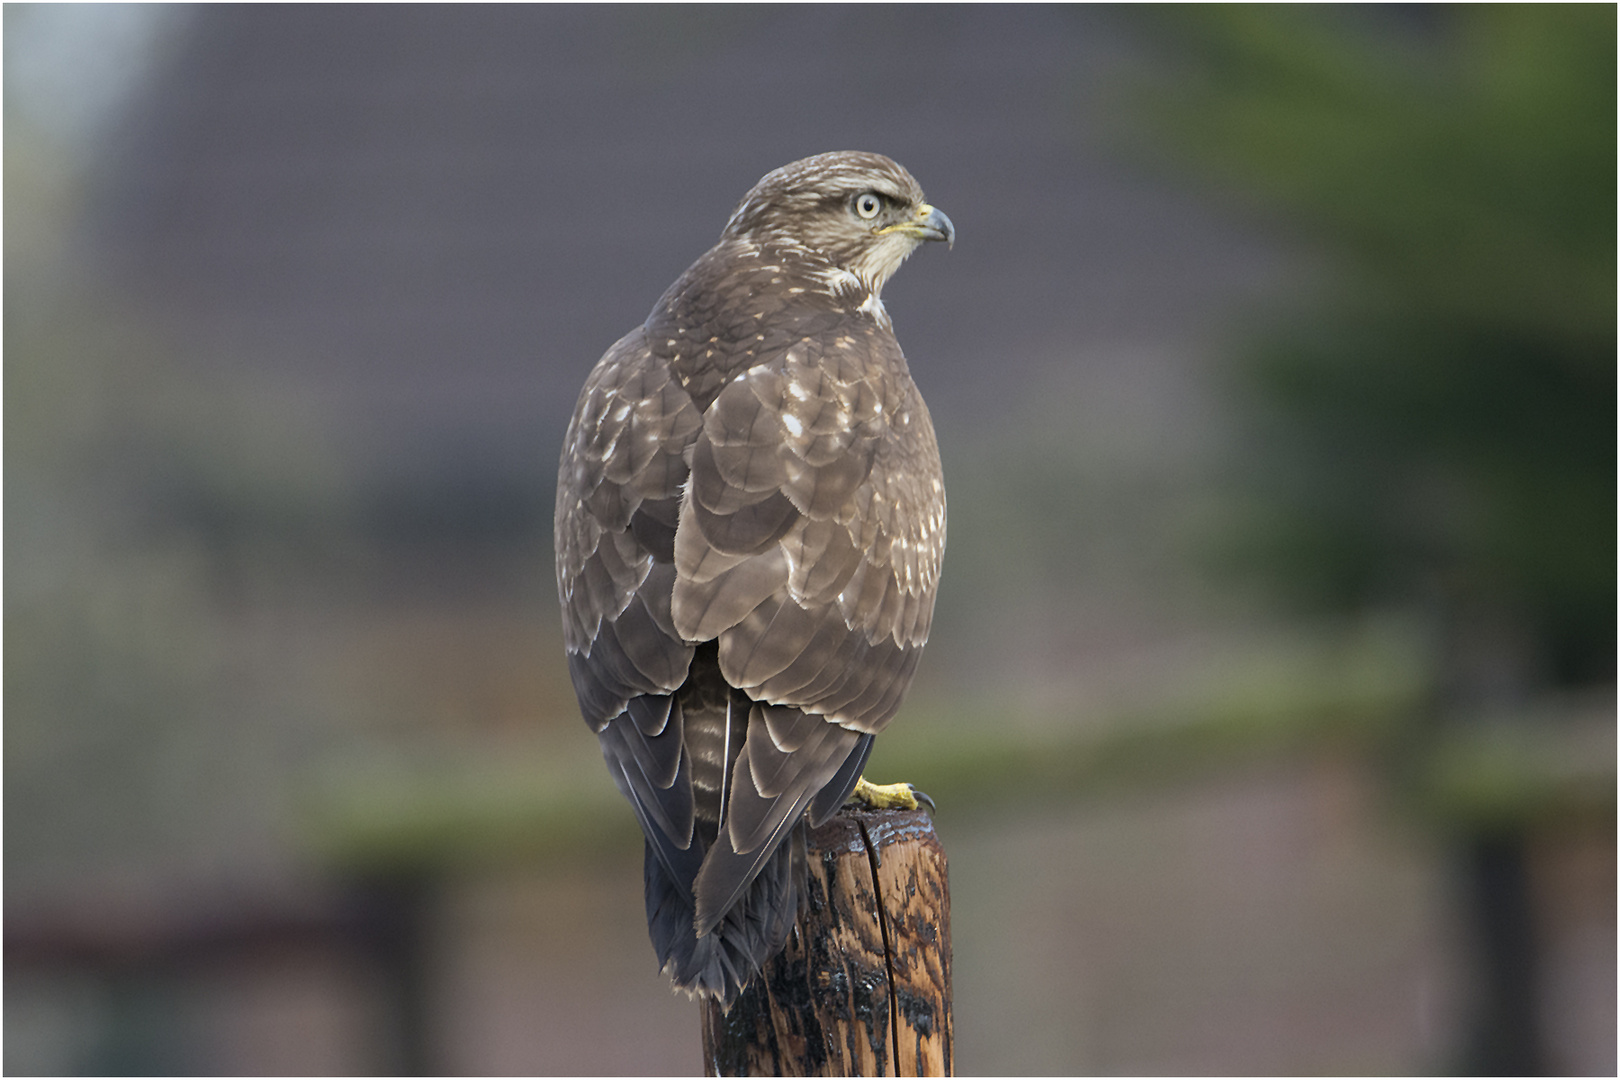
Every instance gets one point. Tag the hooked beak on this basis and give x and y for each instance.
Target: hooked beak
(927, 223)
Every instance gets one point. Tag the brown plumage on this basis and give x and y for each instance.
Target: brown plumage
(750, 524)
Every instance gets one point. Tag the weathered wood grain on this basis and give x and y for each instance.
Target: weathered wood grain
(863, 988)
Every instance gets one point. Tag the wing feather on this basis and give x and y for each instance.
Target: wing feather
(706, 611)
(829, 654)
(768, 639)
(823, 558)
(820, 462)
(655, 774)
(616, 471)
(769, 792)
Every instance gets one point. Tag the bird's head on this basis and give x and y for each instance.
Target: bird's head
(860, 212)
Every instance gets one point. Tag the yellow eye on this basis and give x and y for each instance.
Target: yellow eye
(867, 204)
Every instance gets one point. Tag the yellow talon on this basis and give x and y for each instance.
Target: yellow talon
(889, 796)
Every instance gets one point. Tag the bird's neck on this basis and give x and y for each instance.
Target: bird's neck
(743, 301)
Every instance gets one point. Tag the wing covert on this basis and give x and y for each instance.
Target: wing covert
(617, 491)
(811, 538)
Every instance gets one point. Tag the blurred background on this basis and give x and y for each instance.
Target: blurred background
(1270, 707)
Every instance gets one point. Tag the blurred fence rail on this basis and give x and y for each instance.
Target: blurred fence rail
(396, 842)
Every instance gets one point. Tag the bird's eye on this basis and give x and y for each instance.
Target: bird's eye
(868, 203)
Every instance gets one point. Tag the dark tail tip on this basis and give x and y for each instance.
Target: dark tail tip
(721, 963)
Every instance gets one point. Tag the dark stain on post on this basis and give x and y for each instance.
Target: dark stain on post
(867, 966)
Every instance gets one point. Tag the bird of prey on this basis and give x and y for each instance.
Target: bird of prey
(750, 523)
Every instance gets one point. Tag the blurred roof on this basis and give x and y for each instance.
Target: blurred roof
(443, 215)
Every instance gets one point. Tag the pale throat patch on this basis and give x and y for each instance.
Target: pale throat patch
(873, 306)
(877, 263)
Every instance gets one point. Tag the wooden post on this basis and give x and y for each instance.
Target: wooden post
(863, 987)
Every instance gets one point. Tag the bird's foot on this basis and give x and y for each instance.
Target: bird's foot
(889, 796)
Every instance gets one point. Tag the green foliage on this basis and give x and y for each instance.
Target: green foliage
(1440, 429)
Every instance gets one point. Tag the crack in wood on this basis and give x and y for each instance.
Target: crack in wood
(863, 985)
(875, 858)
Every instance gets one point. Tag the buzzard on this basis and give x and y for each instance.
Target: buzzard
(750, 523)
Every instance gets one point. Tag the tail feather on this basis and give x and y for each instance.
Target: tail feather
(720, 963)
